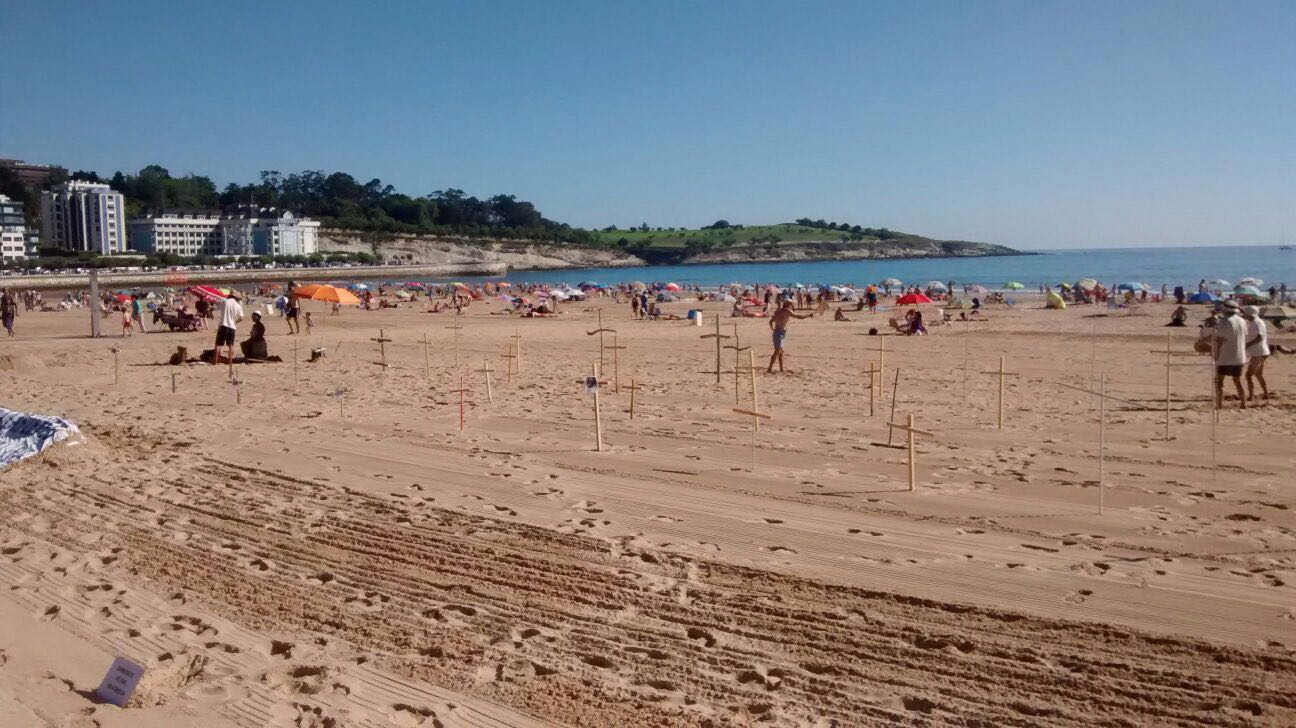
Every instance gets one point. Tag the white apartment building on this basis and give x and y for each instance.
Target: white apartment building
(13, 230)
(252, 232)
(84, 216)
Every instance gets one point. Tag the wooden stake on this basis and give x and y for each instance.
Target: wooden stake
(719, 342)
(756, 418)
(872, 388)
(296, 378)
(910, 430)
(895, 386)
(173, 382)
(382, 347)
(427, 358)
(490, 398)
(517, 336)
(751, 368)
(598, 414)
(1102, 436)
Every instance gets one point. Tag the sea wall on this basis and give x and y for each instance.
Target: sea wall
(112, 281)
(516, 254)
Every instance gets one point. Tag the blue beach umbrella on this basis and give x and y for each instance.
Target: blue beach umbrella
(1203, 297)
(1132, 286)
(1248, 291)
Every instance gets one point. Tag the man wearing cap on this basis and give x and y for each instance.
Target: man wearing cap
(1230, 352)
(1257, 349)
(231, 314)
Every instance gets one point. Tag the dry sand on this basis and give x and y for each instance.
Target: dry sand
(273, 563)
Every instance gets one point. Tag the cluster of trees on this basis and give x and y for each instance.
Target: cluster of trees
(851, 230)
(335, 199)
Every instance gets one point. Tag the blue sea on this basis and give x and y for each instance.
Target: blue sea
(1154, 266)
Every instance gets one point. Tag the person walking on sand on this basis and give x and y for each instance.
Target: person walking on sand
(8, 310)
(778, 324)
(1230, 352)
(137, 311)
(292, 311)
(231, 315)
(1257, 349)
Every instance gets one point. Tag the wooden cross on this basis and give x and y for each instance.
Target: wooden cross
(117, 366)
(633, 388)
(462, 390)
(600, 331)
(339, 394)
(382, 347)
(910, 430)
(511, 357)
(894, 387)
(1002, 373)
(872, 372)
(517, 337)
(296, 380)
(756, 416)
(1169, 352)
(719, 338)
(1101, 394)
(598, 412)
(490, 398)
(238, 391)
(427, 358)
(616, 365)
(456, 327)
(173, 382)
(737, 350)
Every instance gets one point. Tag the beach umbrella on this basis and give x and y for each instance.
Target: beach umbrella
(207, 293)
(121, 297)
(330, 294)
(589, 284)
(637, 286)
(1013, 286)
(1086, 284)
(937, 286)
(893, 282)
(1248, 281)
(1203, 297)
(504, 284)
(404, 294)
(911, 299)
(977, 290)
(672, 286)
(1248, 291)
(358, 287)
(1132, 286)
(1220, 283)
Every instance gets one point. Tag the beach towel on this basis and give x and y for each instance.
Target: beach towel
(23, 434)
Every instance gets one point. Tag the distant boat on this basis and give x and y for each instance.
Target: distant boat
(1284, 247)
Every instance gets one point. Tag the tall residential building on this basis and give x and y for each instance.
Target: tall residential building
(13, 230)
(249, 232)
(84, 216)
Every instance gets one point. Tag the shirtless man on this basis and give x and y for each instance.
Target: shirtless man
(778, 324)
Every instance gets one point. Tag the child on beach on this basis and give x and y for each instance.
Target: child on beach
(309, 324)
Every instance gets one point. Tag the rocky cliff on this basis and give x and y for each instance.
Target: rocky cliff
(517, 254)
(909, 247)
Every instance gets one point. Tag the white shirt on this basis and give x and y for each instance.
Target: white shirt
(231, 313)
(1231, 331)
(1256, 327)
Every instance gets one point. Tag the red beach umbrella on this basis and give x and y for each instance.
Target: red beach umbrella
(910, 299)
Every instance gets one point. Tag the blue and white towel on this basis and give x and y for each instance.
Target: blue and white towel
(23, 434)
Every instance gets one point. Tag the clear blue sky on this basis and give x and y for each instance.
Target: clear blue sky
(1036, 124)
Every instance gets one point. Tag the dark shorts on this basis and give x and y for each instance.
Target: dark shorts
(224, 336)
(292, 312)
(779, 336)
(1228, 370)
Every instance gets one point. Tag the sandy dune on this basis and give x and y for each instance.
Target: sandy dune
(274, 563)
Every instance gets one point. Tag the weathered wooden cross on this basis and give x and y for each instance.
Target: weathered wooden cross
(719, 342)
(511, 357)
(600, 331)
(461, 391)
(457, 327)
(382, 347)
(517, 337)
(910, 430)
(633, 388)
(490, 398)
(339, 394)
(1169, 364)
(872, 373)
(598, 412)
(738, 349)
(756, 416)
(616, 365)
(117, 366)
(1002, 373)
(427, 358)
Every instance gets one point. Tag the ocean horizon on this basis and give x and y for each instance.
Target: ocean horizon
(1156, 266)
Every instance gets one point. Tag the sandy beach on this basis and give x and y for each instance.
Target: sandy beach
(299, 558)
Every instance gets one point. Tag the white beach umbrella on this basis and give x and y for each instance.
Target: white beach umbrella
(893, 282)
(937, 286)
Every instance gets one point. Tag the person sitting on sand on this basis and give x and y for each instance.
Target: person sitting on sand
(1179, 317)
(839, 316)
(254, 346)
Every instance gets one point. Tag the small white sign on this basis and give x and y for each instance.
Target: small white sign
(339, 393)
(591, 385)
(120, 682)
